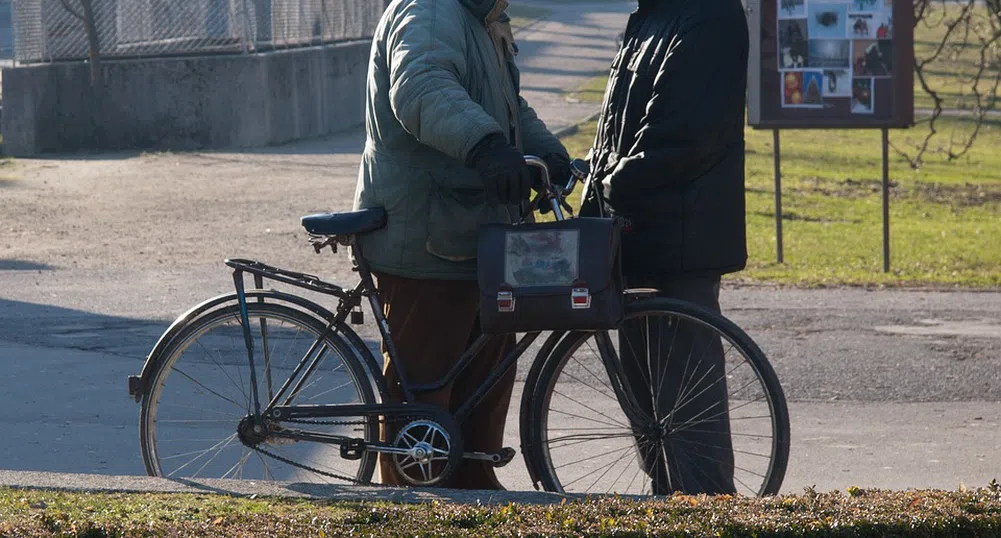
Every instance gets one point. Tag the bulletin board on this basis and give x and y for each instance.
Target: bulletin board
(831, 64)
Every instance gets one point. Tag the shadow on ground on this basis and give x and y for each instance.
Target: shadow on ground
(22, 265)
(65, 399)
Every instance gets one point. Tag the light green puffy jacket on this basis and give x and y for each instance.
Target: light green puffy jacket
(435, 89)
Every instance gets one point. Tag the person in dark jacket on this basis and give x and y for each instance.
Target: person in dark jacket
(668, 157)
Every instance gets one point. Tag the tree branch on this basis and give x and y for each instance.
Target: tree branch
(966, 29)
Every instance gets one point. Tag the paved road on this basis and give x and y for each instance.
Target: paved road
(886, 388)
(570, 45)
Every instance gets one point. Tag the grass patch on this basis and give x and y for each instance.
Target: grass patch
(523, 15)
(945, 219)
(856, 513)
(592, 91)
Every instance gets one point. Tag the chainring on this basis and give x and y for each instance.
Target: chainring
(431, 453)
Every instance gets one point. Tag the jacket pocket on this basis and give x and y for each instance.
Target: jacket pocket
(455, 214)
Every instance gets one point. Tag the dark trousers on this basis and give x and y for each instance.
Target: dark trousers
(677, 375)
(432, 323)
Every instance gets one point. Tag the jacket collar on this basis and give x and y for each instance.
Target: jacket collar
(486, 10)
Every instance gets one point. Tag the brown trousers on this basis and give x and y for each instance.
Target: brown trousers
(432, 322)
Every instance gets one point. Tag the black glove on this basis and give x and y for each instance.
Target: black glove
(502, 169)
(559, 174)
(559, 169)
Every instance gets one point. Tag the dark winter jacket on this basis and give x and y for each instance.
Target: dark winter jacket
(669, 151)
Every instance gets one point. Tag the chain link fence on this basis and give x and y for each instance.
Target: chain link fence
(68, 30)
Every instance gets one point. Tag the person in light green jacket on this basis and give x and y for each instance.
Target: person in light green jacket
(447, 131)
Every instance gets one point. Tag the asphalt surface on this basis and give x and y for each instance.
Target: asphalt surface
(893, 389)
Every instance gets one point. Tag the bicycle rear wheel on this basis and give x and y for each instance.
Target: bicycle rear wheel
(692, 405)
(190, 423)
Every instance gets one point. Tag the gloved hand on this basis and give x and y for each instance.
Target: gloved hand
(502, 169)
(559, 174)
(559, 168)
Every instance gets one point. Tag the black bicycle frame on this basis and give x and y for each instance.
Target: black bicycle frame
(348, 300)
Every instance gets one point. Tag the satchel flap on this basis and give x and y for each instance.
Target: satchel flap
(547, 258)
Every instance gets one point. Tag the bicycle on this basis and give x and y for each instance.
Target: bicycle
(297, 424)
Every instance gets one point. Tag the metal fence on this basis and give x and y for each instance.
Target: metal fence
(61, 30)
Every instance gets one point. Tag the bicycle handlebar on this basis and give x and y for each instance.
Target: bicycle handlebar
(579, 170)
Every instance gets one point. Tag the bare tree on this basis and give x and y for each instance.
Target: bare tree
(970, 30)
(83, 10)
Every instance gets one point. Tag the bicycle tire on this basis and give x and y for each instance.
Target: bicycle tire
(540, 382)
(203, 324)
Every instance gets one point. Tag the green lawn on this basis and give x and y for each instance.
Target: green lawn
(522, 15)
(852, 513)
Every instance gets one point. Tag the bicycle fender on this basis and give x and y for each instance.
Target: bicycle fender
(138, 384)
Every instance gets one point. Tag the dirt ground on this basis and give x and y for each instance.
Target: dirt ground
(151, 210)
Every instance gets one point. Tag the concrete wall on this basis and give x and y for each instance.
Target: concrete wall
(185, 103)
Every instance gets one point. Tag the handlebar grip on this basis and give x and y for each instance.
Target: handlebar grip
(580, 169)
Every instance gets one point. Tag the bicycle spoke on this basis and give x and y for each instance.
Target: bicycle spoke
(188, 377)
(734, 450)
(264, 463)
(225, 442)
(238, 464)
(735, 477)
(585, 438)
(199, 452)
(588, 370)
(624, 469)
(324, 393)
(589, 458)
(586, 418)
(691, 464)
(589, 408)
(575, 378)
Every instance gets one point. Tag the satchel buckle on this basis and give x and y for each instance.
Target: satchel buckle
(505, 301)
(580, 299)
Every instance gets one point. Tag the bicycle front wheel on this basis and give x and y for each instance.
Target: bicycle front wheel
(200, 393)
(677, 399)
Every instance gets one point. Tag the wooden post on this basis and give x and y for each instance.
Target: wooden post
(778, 196)
(886, 200)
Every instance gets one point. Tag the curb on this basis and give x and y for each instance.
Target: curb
(570, 130)
(92, 483)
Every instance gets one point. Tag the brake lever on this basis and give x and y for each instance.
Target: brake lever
(566, 206)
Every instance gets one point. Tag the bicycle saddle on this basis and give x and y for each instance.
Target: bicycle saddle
(350, 223)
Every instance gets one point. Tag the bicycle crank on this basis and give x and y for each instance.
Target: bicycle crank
(499, 459)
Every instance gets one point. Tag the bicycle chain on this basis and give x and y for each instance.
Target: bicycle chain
(328, 423)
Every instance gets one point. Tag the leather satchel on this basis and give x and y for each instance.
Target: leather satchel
(563, 275)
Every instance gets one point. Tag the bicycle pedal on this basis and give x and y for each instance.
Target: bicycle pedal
(354, 449)
(498, 459)
(506, 454)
